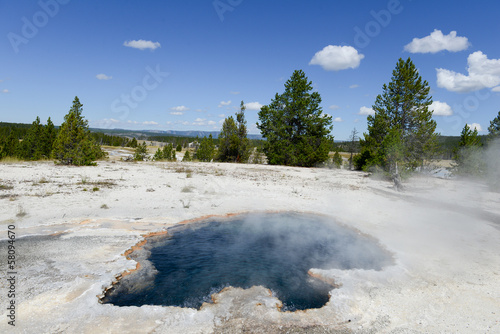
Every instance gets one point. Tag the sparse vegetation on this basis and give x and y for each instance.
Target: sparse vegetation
(21, 212)
(187, 189)
(185, 205)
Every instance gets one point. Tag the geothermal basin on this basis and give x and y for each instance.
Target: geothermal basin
(443, 237)
(273, 250)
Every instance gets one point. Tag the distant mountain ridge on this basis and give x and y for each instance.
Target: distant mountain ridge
(174, 133)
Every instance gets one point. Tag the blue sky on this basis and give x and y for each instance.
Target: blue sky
(187, 64)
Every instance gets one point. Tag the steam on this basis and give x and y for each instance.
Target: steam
(274, 250)
(492, 158)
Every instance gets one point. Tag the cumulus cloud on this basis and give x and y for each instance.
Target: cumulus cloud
(211, 123)
(482, 73)
(224, 103)
(103, 77)
(436, 42)
(475, 126)
(440, 109)
(496, 89)
(149, 123)
(334, 107)
(177, 113)
(179, 109)
(338, 119)
(335, 58)
(142, 44)
(253, 106)
(353, 86)
(366, 111)
(5, 91)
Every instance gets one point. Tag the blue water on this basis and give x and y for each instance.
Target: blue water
(272, 250)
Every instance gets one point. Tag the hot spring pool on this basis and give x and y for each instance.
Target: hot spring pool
(274, 250)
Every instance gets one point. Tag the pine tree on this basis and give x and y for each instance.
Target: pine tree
(133, 143)
(9, 145)
(243, 141)
(206, 151)
(494, 128)
(31, 148)
(187, 157)
(228, 141)
(401, 133)
(74, 144)
(297, 132)
(468, 155)
(48, 137)
(337, 159)
(141, 152)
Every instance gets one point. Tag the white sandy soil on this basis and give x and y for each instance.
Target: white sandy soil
(73, 225)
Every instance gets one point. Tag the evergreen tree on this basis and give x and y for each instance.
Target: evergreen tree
(494, 128)
(187, 157)
(468, 155)
(206, 151)
(31, 148)
(74, 145)
(9, 145)
(337, 159)
(133, 143)
(402, 130)
(228, 141)
(168, 153)
(48, 138)
(141, 152)
(178, 148)
(297, 132)
(243, 141)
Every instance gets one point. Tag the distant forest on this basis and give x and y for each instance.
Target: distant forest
(124, 138)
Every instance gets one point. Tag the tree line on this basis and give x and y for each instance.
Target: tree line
(70, 144)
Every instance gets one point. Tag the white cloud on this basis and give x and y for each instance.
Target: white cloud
(334, 107)
(142, 44)
(436, 42)
(235, 93)
(253, 106)
(366, 111)
(496, 89)
(103, 77)
(224, 103)
(476, 126)
(335, 58)
(222, 115)
(353, 86)
(440, 109)
(338, 119)
(149, 123)
(482, 73)
(177, 113)
(211, 123)
(5, 91)
(179, 109)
